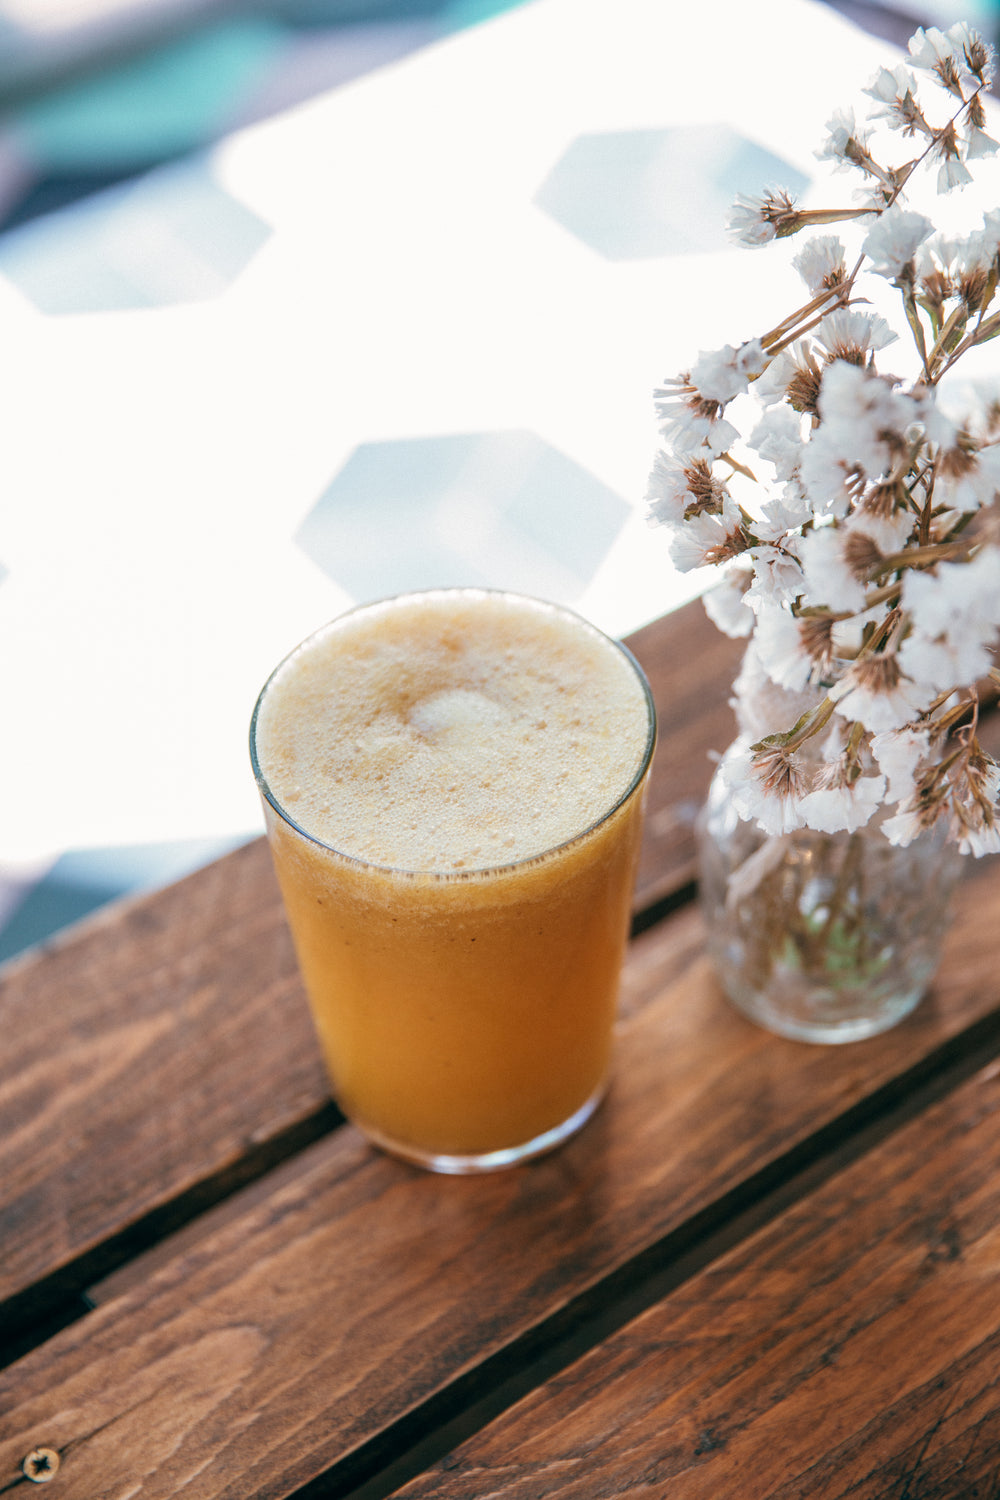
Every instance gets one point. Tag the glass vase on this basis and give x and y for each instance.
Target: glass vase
(817, 936)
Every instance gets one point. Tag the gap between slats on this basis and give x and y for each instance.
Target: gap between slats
(32, 1317)
(429, 1432)
(35, 1315)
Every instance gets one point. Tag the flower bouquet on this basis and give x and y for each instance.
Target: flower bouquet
(852, 514)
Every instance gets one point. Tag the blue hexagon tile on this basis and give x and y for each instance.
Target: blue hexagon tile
(172, 236)
(462, 508)
(640, 194)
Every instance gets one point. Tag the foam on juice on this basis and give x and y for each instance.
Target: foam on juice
(450, 732)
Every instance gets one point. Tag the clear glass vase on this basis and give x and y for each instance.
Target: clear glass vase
(822, 937)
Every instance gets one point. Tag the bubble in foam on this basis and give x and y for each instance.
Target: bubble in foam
(455, 714)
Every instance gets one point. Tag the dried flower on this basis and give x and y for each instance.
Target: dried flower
(755, 221)
(856, 528)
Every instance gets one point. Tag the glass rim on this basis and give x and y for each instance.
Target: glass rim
(485, 871)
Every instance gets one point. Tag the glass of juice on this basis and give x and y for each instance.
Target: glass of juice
(453, 787)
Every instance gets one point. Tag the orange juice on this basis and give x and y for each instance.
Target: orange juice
(452, 783)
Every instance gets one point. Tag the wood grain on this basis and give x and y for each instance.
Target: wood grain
(690, 666)
(851, 1348)
(164, 1051)
(314, 1324)
(148, 1058)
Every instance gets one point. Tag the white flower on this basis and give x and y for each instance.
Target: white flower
(795, 650)
(859, 412)
(777, 574)
(831, 478)
(893, 240)
(975, 815)
(978, 250)
(674, 489)
(820, 262)
(946, 54)
(979, 144)
(954, 616)
(891, 88)
(760, 704)
(847, 141)
(831, 536)
(899, 753)
(977, 841)
(950, 55)
(724, 373)
(849, 334)
(974, 254)
(777, 437)
(890, 533)
(936, 264)
(783, 514)
(691, 420)
(908, 824)
(754, 220)
(781, 648)
(748, 223)
(876, 693)
(832, 579)
(951, 410)
(726, 606)
(991, 229)
(964, 478)
(706, 539)
(792, 376)
(957, 267)
(844, 806)
(667, 493)
(928, 47)
(890, 84)
(865, 424)
(767, 787)
(839, 562)
(971, 48)
(952, 173)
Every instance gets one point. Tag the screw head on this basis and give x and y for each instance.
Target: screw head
(40, 1465)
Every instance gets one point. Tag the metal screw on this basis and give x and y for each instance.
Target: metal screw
(41, 1465)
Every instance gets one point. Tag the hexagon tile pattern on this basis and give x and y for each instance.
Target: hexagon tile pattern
(640, 194)
(495, 509)
(173, 236)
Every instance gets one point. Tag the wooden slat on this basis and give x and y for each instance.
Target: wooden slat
(691, 667)
(147, 1059)
(164, 1050)
(852, 1348)
(294, 1332)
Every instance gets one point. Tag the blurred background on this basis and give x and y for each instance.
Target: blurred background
(94, 92)
(304, 302)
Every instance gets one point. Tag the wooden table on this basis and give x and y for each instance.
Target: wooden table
(764, 1268)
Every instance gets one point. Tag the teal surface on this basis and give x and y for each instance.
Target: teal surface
(117, 117)
(154, 106)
